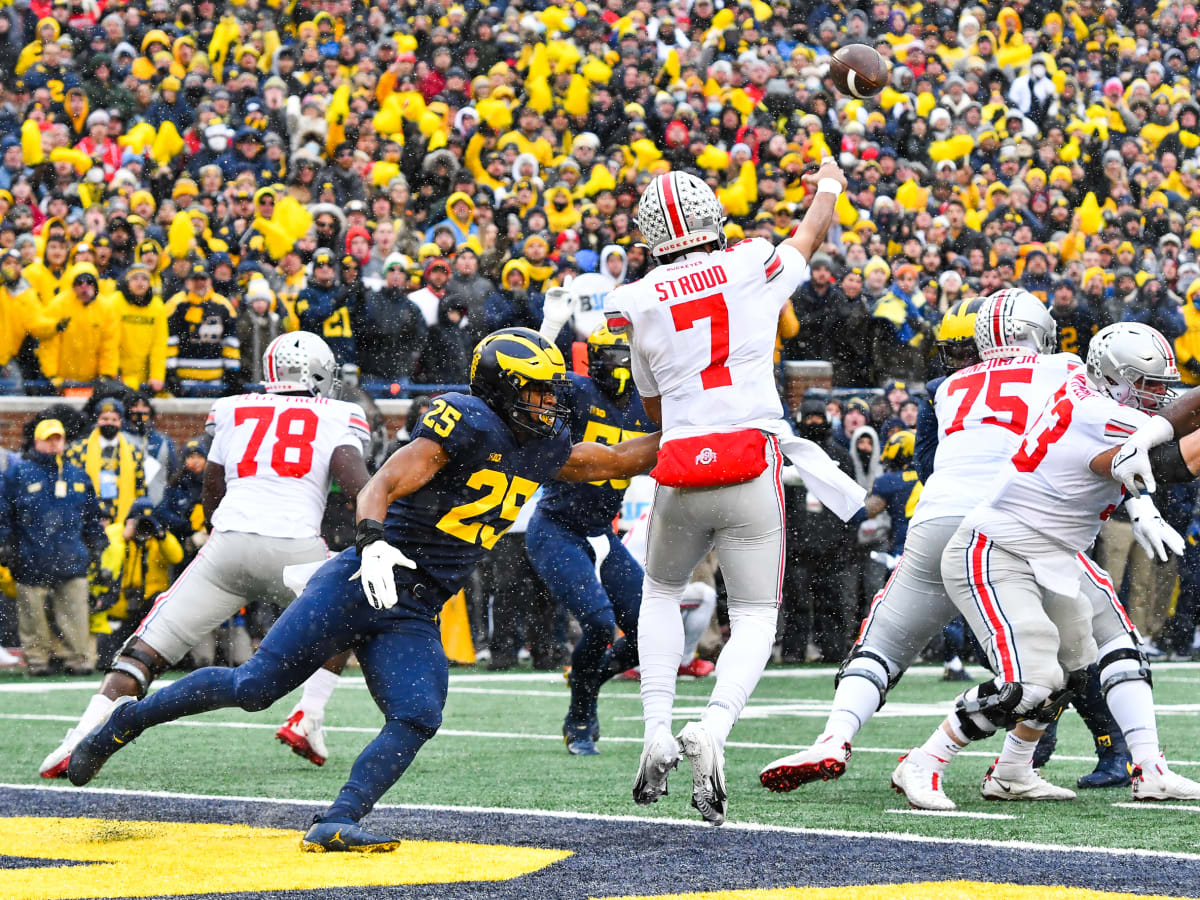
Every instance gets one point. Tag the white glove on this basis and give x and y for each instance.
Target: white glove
(1153, 535)
(378, 579)
(560, 304)
(1131, 465)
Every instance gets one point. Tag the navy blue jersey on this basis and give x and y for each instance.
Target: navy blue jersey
(900, 490)
(448, 525)
(589, 508)
(927, 431)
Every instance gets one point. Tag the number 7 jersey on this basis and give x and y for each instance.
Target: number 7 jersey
(704, 335)
(276, 450)
(982, 412)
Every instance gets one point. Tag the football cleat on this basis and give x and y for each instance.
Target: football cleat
(634, 674)
(338, 837)
(1157, 782)
(697, 668)
(1030, 786)
(1112, 770)
(823, 761)
(304, 735)
(921, 786)
(708, 775)
(658, 759)
(55, 765)
(579, 737)
(90, 754)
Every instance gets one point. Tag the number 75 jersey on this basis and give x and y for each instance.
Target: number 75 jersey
(276, 450)
(704, 334)
(982, 413)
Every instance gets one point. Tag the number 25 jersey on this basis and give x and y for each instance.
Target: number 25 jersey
(276, 451)
(704, 335)
(982, 412)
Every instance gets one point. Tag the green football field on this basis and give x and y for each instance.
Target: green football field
(500, 747)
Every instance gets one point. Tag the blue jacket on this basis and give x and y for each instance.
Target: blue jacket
(51, 538)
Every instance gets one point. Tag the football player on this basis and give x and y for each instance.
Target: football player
(1013, 570)
(898, 489)
(702, 329)
(425, 520)
(272, 458)
(570, 539)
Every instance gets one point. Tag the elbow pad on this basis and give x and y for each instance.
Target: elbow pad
(1167, 464)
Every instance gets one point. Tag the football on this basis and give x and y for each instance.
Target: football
(858, 71)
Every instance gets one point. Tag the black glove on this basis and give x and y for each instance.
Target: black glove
(62, 324)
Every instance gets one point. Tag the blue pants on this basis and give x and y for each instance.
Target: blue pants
(567, 564)
(400, 651)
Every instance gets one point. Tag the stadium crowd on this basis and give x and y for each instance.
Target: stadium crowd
(180, 183)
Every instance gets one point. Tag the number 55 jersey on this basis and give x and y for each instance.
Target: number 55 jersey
(276, 450)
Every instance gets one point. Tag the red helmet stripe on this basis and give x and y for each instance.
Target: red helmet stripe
(671, 205)
(997, 306)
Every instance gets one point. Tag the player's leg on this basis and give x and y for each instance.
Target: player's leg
(324, 621)
(566, 564)
(676, 543)
(998, 595)
(622, 579)
(903, 618)
(408, 676)
(698, 605)
(1127, 687)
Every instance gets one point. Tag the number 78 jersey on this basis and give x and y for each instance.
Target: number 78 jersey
(704, 334)
(982, 412)
(276, 450)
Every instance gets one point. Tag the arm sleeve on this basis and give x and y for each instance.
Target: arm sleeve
(220, 437)
(784, 267)
(357, 433)
(643, 377)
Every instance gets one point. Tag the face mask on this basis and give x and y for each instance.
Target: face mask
(815, 432)
(108, 432)
(139, 421)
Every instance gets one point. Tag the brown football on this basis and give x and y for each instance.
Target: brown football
(858, 70)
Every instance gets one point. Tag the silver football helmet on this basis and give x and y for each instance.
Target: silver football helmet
(300, 361)
(678, 211)
(1013, 322)
(1133, 364)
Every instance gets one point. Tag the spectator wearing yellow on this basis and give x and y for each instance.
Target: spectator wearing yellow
(47, 274)
(21, 314)
(113, 464)
(143, 340)
(139, 557)
(88, 347)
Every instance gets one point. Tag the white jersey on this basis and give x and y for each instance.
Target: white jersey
(704, 332)
(982, 412)
(1048, 486)
(276, 451)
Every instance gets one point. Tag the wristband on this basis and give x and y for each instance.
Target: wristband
(829, 186)
(1157, 431)
(369, 531)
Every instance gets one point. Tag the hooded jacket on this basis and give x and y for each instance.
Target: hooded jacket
(21, 314)
(89, 346)
(143, 338)
(462, 229)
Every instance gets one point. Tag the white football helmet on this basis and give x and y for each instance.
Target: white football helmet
(300, 361)
(678, 211)
(1133, 364)
(1013, 322)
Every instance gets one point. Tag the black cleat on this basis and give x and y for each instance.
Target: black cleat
(90, 754)
(338, 837)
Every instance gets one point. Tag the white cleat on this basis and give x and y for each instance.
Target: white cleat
(1157, 782)
(303, 734)
(708, 772)
(921, 786)
(823, 761)
(55, 765)
(1030, 786)
(659, 757)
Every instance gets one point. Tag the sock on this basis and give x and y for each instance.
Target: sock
(377, 768)
(1132, 705)
(660, 650)
(317, 691)
(938, 751)
(202, 690)
(1016, 759)
(97, 711)
(741, 664)
(856, 699)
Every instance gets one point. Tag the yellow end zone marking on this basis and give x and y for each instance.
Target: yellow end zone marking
(925, 890)
(143, 859)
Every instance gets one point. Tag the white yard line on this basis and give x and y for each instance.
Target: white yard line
(946, 814)
(906, 837)
(1159, 806)
(527, 736)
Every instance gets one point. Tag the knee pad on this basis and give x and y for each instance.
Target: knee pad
(1123, 664)
(761, 616)
(866, 663)
(126, 661)
(251, 691)
(422, 714)
(1051, 708)
(988, 707)
(599, 620)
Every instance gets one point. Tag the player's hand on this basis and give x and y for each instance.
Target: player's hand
(829, 168)
(379, 559)
(1131, 465)
(1153, 535)
(559, 305)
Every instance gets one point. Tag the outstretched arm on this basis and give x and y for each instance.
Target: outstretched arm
(598, 462)
(828, 182)
(407, 470)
